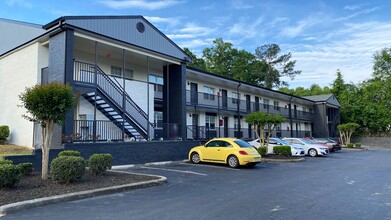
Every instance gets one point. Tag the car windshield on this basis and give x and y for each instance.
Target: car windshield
(243, 144)
(282, 141)
(305, 141)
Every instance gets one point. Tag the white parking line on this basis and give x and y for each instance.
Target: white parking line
(178, 171)
(207, 165)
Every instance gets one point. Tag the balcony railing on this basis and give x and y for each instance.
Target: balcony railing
(205, 133)
(205, 100)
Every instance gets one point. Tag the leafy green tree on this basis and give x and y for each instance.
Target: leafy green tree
(262, 120)
(382, 63)
(278, 65)
(47, 104)
(198, 63)
(346, 131)
(219, 57)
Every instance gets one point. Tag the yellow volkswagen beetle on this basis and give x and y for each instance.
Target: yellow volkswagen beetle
(231, 151)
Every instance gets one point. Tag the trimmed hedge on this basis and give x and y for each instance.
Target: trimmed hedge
(282, 150)
(67, 153)
(99, 163)
(25, 168)
(350, 145)
(4, 133)
(9, 176)
(357, 145)
(262, 151)
(6, 162)
(67, 169)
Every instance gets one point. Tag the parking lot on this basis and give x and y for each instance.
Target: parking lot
(343, 185)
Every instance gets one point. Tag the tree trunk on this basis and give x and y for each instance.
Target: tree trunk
(47, 134)
(341, 138)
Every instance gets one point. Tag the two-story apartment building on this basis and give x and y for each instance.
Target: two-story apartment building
(131, 82)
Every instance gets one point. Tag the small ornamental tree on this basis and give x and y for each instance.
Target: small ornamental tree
(47, 104)
(346, 131)
(262, 120)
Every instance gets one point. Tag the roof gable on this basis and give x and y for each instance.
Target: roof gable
(135, 30)
(16, 33)
(328, 98)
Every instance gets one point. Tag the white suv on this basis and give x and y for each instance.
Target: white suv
(309, 148)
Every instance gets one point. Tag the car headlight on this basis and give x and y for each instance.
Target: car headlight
(323, 148)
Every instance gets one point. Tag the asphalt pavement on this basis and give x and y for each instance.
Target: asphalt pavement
(343, 185)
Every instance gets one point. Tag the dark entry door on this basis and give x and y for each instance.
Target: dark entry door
(256, 104)
(295, 111)
(193, 93)
(224, 99)
(225, 126)
(195, 127)
(248, 103)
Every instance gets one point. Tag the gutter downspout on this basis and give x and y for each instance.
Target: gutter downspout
(290, 115)
(238, 106)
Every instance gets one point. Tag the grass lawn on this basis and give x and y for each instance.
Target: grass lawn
(10, 150)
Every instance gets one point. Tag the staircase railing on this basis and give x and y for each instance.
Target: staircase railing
(92, 74)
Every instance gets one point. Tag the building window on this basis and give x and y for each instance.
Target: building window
(158, 119)
(209, 93)
(210, 121)
(306, 126)
(117, 71)
(276, 106)
(278, 127)
(157, 81)
(304, 110)
(235, 97)
(266, 103)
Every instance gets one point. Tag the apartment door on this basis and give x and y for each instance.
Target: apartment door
(195, 127)
(193, 93)
(248, 103)
(224, 99)
(256, 104)
(225, 126)
(295, 111)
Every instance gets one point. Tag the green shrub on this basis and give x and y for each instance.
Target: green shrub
(9, 176)
(67, 153)
(99, 163)
(282, 150)
(357, 145)
(6, 162)
(25, 168)
(262, 151)
(67, 169)
(4, 133)
(350, 145)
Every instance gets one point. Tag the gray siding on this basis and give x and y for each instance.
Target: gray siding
(124, 29)
(14, 34)
(333, 101)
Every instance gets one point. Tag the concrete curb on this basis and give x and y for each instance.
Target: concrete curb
(18, 206)
(282, 160)
(354, 149)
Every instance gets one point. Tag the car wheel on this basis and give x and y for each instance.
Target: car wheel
(195, 158)
(312, 152)
(233, 161)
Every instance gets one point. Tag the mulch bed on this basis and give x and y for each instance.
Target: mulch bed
(33, 187)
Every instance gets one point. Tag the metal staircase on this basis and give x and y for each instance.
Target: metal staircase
(111, 99)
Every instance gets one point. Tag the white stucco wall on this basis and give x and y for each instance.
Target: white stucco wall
(19, 70)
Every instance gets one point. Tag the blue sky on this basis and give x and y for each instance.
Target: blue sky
(322, 36)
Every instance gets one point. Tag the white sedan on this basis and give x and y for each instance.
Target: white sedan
(295, 150)
(310, 149)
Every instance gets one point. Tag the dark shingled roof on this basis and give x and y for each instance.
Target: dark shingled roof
(328, 98)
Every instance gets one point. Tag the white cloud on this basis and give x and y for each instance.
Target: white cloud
(208, 7)
(351, 50)
(142, 4)
(362, 12)
(352, 7)
(170, 21)
(21, 3)
(195, 43)
(301, 26)
(240, 4)
(246, 29)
